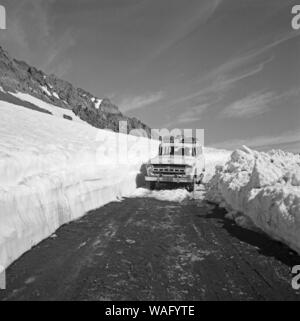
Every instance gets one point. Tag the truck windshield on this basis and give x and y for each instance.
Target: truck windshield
(176, 151)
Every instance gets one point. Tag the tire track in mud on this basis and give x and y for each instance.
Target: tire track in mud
(250, 275)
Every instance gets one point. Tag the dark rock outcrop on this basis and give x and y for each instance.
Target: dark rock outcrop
(18, 76)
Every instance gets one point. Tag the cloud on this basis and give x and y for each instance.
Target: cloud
(283, 37)
(221, 79)
(200, 12)
(251, 106)
(214, 87)
(131, 103)
(190, 116)
(251, 58)
(265, 142)
(216, 84)
(176, 20)
(56, 61)
(27, 20)
(31, 34)
(257, 103)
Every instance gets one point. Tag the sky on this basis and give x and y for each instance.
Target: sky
(231, 67)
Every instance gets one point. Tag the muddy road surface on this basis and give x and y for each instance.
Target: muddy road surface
(150, 249)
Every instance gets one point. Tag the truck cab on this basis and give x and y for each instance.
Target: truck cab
(179, 161)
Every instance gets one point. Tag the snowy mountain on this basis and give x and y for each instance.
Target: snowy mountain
(17, 77)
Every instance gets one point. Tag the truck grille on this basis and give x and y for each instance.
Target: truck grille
(168, 170)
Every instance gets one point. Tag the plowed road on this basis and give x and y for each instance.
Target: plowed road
(146, 249)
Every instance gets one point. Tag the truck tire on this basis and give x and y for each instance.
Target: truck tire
(191, 187)
(152, 186)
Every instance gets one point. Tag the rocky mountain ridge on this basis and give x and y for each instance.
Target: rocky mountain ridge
(18, 76)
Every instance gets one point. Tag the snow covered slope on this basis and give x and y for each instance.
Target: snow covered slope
(54, 110)
(53, 170)
(261, 190)
(17, 76)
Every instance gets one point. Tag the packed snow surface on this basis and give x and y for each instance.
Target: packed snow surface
(261, 190)
(170, 195)
(177, 195)
(54, 110)
(53, 171)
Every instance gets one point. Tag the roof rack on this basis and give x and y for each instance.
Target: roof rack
(178, 139)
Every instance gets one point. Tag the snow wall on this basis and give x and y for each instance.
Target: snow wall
(214, 158)
(261, 190)
(53, 171)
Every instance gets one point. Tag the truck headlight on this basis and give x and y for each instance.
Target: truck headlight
(188, 170)
(150, 170)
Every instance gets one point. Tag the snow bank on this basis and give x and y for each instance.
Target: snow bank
(177, 195)
(213, 158)
(170, 195)
(261, 190)
(53, 171)
(54, 110)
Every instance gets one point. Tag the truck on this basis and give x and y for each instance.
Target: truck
(179, 161)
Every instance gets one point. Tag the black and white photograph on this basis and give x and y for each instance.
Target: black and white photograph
(149, 153)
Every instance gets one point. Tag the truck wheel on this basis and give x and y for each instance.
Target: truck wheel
(152, 186)
(191, 187)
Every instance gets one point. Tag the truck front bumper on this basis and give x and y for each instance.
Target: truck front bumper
(169, 179)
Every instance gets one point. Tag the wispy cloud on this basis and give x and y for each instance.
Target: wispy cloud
(214, 87)
(136, 102)
(252, 59)
(248, 107)
(220, 80)
(240, 67)
(57, 61)
(266, 142)
(29, 24)
(177, 25)
(190, 116)
(257, 103)
(181, 28)
(283, 37)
